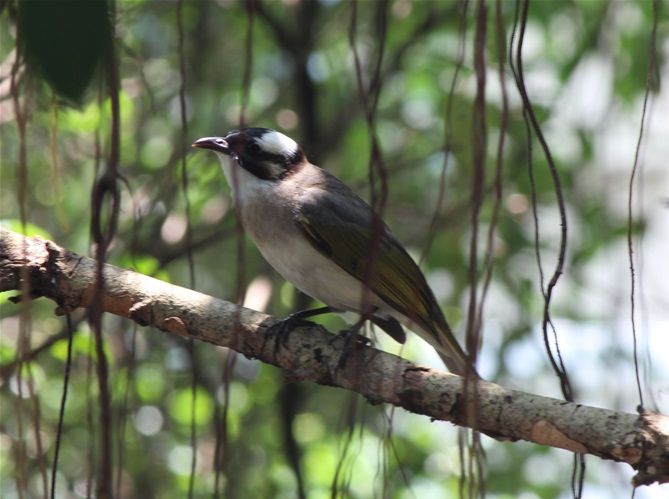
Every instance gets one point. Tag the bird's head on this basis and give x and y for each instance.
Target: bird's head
(265, 153)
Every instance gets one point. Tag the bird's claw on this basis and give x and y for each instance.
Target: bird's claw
(283, 328)
(350, 337)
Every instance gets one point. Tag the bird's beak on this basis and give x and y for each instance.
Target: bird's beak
(216, 144)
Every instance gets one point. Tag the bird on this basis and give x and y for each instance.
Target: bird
(319, 235)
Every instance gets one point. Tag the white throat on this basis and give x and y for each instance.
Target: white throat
(243, 184)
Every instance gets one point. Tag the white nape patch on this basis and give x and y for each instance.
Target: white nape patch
(274, 142)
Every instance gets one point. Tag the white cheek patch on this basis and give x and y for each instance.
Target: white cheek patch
(277, 143)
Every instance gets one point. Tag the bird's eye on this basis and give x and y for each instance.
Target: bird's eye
(252, 147)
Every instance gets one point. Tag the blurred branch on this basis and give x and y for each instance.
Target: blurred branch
(299, 43)
(309, 354)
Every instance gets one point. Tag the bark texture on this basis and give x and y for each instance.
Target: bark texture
(44, 269)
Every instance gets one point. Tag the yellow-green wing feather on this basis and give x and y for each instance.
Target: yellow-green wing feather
(339, 225)
(401, 284)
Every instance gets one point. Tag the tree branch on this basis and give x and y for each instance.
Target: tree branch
(69, 279)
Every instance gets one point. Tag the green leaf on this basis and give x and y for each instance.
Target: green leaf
(65, 41)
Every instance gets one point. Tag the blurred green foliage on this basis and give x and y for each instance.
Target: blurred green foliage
(65, 42)
(304, 84)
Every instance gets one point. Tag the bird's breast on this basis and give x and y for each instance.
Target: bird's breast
(267, 216)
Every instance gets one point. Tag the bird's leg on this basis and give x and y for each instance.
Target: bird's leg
(283, 328)
(350, 335)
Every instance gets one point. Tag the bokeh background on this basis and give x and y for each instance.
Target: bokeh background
(331, 74)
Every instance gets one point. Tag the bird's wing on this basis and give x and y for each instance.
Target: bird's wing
(339, 225)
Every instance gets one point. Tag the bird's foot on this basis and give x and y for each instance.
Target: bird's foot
(282, 329)
(350, 337)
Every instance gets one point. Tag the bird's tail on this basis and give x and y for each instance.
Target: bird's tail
(449, 350)
(458, 365)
